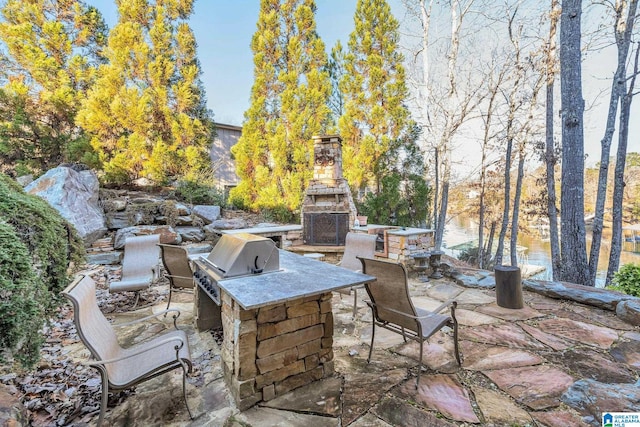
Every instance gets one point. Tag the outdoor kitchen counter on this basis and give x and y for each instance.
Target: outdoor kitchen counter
(392, 229)
(298, 277)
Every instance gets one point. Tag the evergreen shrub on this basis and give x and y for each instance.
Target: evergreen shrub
(199, 192)
(402, 201)
(37, 248)
(627, 280)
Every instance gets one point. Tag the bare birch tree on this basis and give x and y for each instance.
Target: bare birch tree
(496, 77)
(550, 158)
(443, 104)
(527, 134)
(624, 12)
(521, 103)
(621, 156)
(513, 104)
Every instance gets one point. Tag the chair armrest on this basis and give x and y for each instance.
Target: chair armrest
(444, 305)
(161, 313)
(140, 351)
(402, 313)
(410, 316)
(177, 277)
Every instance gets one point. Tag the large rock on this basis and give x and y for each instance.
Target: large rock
(597, 297)
(105, 258)
(117, 220)
(190, 234)
(167, 234)
(182, 209)
(208, 213)
(226, 224)
(629, 311)
(75, 196)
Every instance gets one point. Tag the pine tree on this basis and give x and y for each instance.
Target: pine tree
(146, 112)
(52, 49)
(288, 106)
(336, 71)
(375, 120)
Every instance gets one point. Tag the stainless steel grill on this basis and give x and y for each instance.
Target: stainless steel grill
(243, 253)
(234, 256)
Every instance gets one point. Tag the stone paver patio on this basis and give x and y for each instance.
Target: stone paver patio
(553, 363)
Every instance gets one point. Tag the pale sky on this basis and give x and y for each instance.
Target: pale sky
(223, 30)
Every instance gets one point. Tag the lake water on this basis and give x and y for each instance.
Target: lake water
(460, 230)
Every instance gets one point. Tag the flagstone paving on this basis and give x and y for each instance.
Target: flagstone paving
(538, 387)
(442, 393)
(553, 363)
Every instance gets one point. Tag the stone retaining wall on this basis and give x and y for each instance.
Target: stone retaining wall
(272, 350)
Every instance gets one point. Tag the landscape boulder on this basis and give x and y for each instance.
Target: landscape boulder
(597, 297)
(182, 209)
(191, 234)
(167, 234)
(226, 224)
(75, 196)
(207, 213)
(118, 219)
(629, 311)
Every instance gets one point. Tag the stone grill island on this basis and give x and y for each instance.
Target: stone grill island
(278, 324)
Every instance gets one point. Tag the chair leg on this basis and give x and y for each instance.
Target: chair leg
(104, 399)
(455, 332)
(420, 364)
(373, 334)
(169, 302)
(455, 341)
(184, 388)
(355, 303)
(137, 299)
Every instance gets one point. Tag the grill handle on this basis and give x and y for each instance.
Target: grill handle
(257, 270)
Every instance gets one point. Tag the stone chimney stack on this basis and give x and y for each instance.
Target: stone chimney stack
(328, 210)
(327, 157)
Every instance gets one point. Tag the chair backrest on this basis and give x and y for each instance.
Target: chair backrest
(357, 245)
(94, 329)
(141, 256)
(390, 290)
(176, 262)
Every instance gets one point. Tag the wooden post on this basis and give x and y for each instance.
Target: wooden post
(508, 286)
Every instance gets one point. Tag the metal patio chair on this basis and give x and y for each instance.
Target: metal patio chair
(393, 309)
(121, 368)
(139, 265)
(177, 268)
(356, 244)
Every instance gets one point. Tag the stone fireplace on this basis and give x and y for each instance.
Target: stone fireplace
(328, 210)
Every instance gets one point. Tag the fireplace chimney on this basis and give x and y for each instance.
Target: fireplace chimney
(328, 210)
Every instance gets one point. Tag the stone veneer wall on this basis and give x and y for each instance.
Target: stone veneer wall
(269, 351)
(401, 248)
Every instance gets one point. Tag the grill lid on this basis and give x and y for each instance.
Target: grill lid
(244, 253)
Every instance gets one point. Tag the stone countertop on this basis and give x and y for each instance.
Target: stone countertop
(298, 277)
(409, 231)
(263, 230)
(392, 229)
